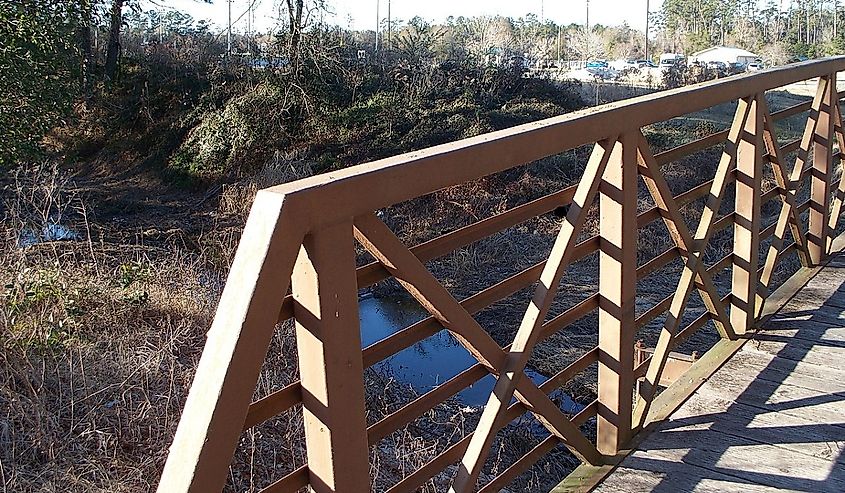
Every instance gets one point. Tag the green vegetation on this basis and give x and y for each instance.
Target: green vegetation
(778, 32)
(38, 73)
(141, 134)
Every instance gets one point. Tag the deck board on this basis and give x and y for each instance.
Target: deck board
(771, 419)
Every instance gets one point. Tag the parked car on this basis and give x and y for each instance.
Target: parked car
(754, 67)
(721, 68)
(604, 73)
(670, 61)
(736, 68)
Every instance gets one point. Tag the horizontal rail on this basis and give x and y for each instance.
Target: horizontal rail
(430, 170)
(299, 244)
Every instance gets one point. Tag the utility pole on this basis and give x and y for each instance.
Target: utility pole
(229, 32)
(559, 37)
(646, 28)
(389, 28)
(377, 25)
(587, 34)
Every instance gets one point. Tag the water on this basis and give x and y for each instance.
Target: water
(434, 360)
(50, 232)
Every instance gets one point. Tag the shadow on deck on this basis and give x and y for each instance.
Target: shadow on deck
(772, 418)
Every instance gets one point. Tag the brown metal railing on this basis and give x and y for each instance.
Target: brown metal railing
(301, 236)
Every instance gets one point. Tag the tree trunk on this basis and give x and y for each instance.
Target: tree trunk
(85, 49)
(113, 49)
(295, 8)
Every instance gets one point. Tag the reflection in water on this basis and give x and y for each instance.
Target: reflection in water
(50, 232)
(430, 362)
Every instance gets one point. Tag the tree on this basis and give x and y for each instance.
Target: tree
(113, 46)
(39, 73)
(300, 16)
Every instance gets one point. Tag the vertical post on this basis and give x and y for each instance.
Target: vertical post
(229, 33)
(237, 344)
(749, 170)
(647, 9)
(617, 295)
(328, 343)
(818, 230)
(377, 26)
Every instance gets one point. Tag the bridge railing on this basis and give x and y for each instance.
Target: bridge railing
(297, 259)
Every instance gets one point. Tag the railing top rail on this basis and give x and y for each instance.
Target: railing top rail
(324, 198)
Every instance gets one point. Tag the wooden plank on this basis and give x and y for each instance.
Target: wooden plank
(322, 199)
(328, 342)
(529, 329)
(820, 178)
(792, 433)
(827, 353)
(294, 481)
(777, 396)
(796, 373)
(647, 473)
(747, 219)
(273, 404)
(617, 295)
(758, 462)
(693, 268)
(237, 343)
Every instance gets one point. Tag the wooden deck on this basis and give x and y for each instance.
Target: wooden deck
(771, 419)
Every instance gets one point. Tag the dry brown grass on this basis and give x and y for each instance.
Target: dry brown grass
(100, 341)
(101, 335)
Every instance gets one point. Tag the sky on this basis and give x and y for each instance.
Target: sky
(361, 14)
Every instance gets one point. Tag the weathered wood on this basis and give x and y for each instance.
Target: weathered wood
(693, 268)
(647, 473)
(617, 291)
(237, 343)
(747, 218)
(529, 329)
(820, 179)
(639, 473)
(322, 198)
(328, 342)
(796, 373)
(413, 276)
(792, 433)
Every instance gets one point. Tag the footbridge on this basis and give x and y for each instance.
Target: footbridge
(753, 260)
